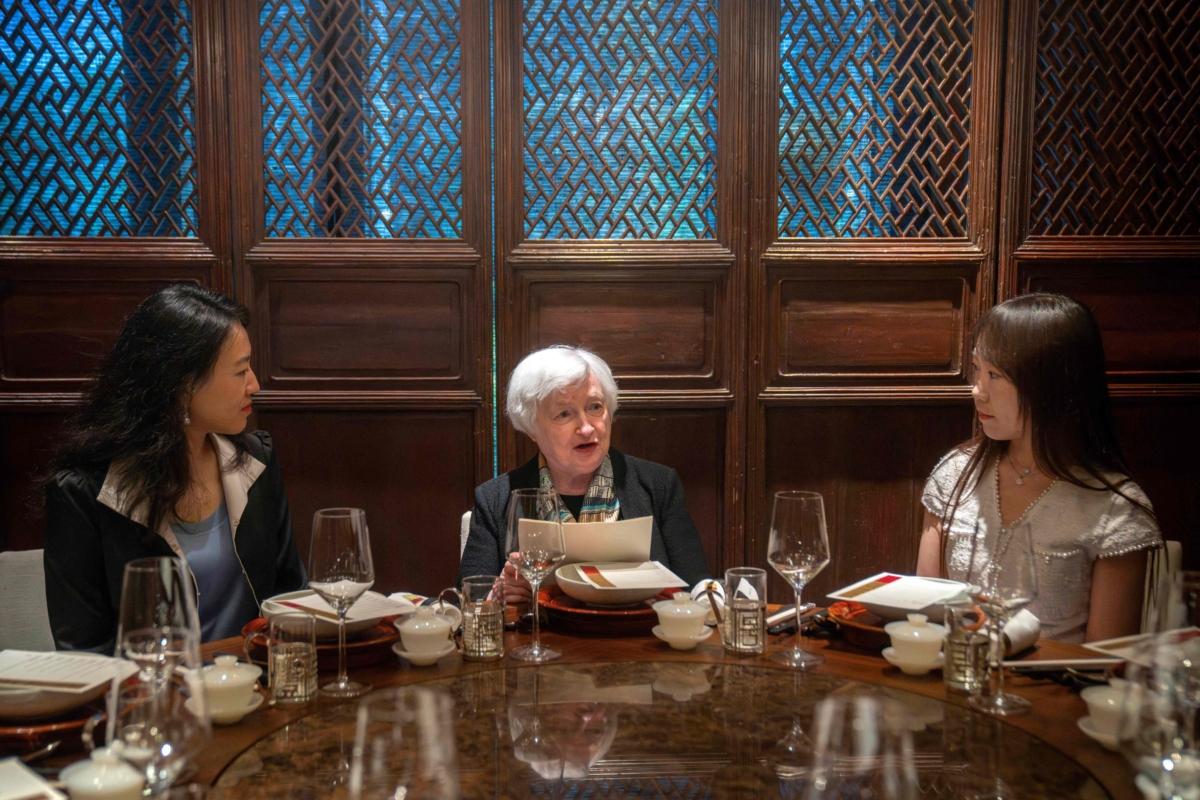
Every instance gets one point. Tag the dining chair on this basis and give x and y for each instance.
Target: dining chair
(1163, 565)
(464, 530)
(23, 598)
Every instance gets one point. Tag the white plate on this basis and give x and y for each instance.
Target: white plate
(423, 659)
(326, 628)
(913, 667)
(1107, 739)
(20, 703)
(228, 716)
(902, 595)
(575, 586)
(684, 642)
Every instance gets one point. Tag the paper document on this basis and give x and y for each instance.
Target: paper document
(372, 605)
(624, 540)
(19, 782)
(647, 575)
(60, 672)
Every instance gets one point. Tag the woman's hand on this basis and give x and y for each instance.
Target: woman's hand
(516, 588)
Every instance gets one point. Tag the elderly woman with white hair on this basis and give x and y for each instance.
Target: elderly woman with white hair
(564, 399)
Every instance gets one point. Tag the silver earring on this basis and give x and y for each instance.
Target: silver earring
(187, 420)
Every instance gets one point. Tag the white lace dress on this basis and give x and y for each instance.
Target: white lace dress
(1071, 526)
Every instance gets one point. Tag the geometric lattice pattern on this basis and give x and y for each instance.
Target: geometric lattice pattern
(97, 136)
(1116, 144)
(362, 109)
(620, 109)
(874, 118)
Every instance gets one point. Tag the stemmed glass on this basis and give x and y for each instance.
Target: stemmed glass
(535, 535)
(1002, 583)
(798, 549)
(340, 571)
(158, 627)
(404, 746)
(862, 749)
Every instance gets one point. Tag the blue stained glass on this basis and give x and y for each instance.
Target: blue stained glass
(874, 106)
(362, 132)
(620, 114)
(96, 119)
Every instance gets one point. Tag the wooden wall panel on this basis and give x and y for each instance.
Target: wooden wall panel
(26, 440)
(387, 327)
(413, 473)
(870, 463)
(892, 325)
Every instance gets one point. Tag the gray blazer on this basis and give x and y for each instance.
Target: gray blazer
(643, 488)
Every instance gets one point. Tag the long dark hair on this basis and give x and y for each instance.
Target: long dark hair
(1049, 346)
(134, 409)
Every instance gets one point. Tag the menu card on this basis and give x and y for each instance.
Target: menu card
(372, 605)
(647, 575)
(19, 782)
(75, 673)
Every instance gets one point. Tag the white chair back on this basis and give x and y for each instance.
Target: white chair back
(464, 530)
(23, 599)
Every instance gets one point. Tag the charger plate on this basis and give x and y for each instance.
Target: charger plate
(371, 646)
(24, 736)
(859, 626)
(569, 615)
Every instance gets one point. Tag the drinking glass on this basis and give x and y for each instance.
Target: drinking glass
(1002, 583)
(862, 748)
(798, 549)
(482, 602)
(404, 746)
(157, 624)
(744, 620)
(1157, 729)
(535, 535)
(340, 571)
(291, 658)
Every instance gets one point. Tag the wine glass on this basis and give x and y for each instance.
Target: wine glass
(1002, 583)
(862, 748)
(404, 746)
(1157, 728)
(158, 627)
(535, 535)
(798, 549)
(340, 571)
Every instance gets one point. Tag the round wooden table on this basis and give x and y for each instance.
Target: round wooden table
(639, 719)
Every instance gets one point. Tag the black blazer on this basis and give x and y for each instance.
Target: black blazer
(88, 545)
(644, 489)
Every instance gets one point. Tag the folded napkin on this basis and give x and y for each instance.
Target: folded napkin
(700, 595)
(1021, 632)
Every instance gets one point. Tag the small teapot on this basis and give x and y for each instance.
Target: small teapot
(916, 639)
(106, 776)
(681, 616)
(424, 631)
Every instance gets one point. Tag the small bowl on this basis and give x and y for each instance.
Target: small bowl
(682, 642)
(423, 659)
(913, 667)
(574, 586)
(228, 715)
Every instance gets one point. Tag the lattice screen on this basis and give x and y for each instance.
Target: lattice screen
(874, 118)
(1116, 126)
(96, 119)
(620, 119)
(362, 131)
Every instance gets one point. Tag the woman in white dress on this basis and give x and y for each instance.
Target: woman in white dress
(1045, 455)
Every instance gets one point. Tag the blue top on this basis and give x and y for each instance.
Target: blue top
(226, 601)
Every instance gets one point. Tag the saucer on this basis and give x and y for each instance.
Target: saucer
(683, 643)
(912, 667)
(228, 716)
(1107, 739)
(422, 659)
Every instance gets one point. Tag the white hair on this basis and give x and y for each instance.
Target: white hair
(545, 371)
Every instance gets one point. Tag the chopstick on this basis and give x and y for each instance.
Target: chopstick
(316, 612)
(1048, 664)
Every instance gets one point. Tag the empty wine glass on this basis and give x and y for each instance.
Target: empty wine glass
(157, 624)
(340, 571)
(535, 535)
(862, 748)
(404, 746)
(1157, 729)
(1002, 583)
(798, 549)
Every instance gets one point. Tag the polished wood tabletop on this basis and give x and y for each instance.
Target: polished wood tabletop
(671, 723)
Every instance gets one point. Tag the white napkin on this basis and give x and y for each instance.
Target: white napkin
(18, 781)
(1021, 631)
(700, 595)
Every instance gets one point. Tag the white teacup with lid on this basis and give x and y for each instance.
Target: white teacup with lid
(229, 687)
(916, 643)
(425, 633)
(681, 616)
(105, 776)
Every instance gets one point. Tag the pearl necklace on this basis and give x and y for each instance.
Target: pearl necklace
(1020, 473)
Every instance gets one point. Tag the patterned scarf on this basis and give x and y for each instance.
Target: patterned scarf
(600, 503)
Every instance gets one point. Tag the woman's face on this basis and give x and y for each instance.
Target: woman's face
(996, 402)
(572, 430)
(221, 403)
